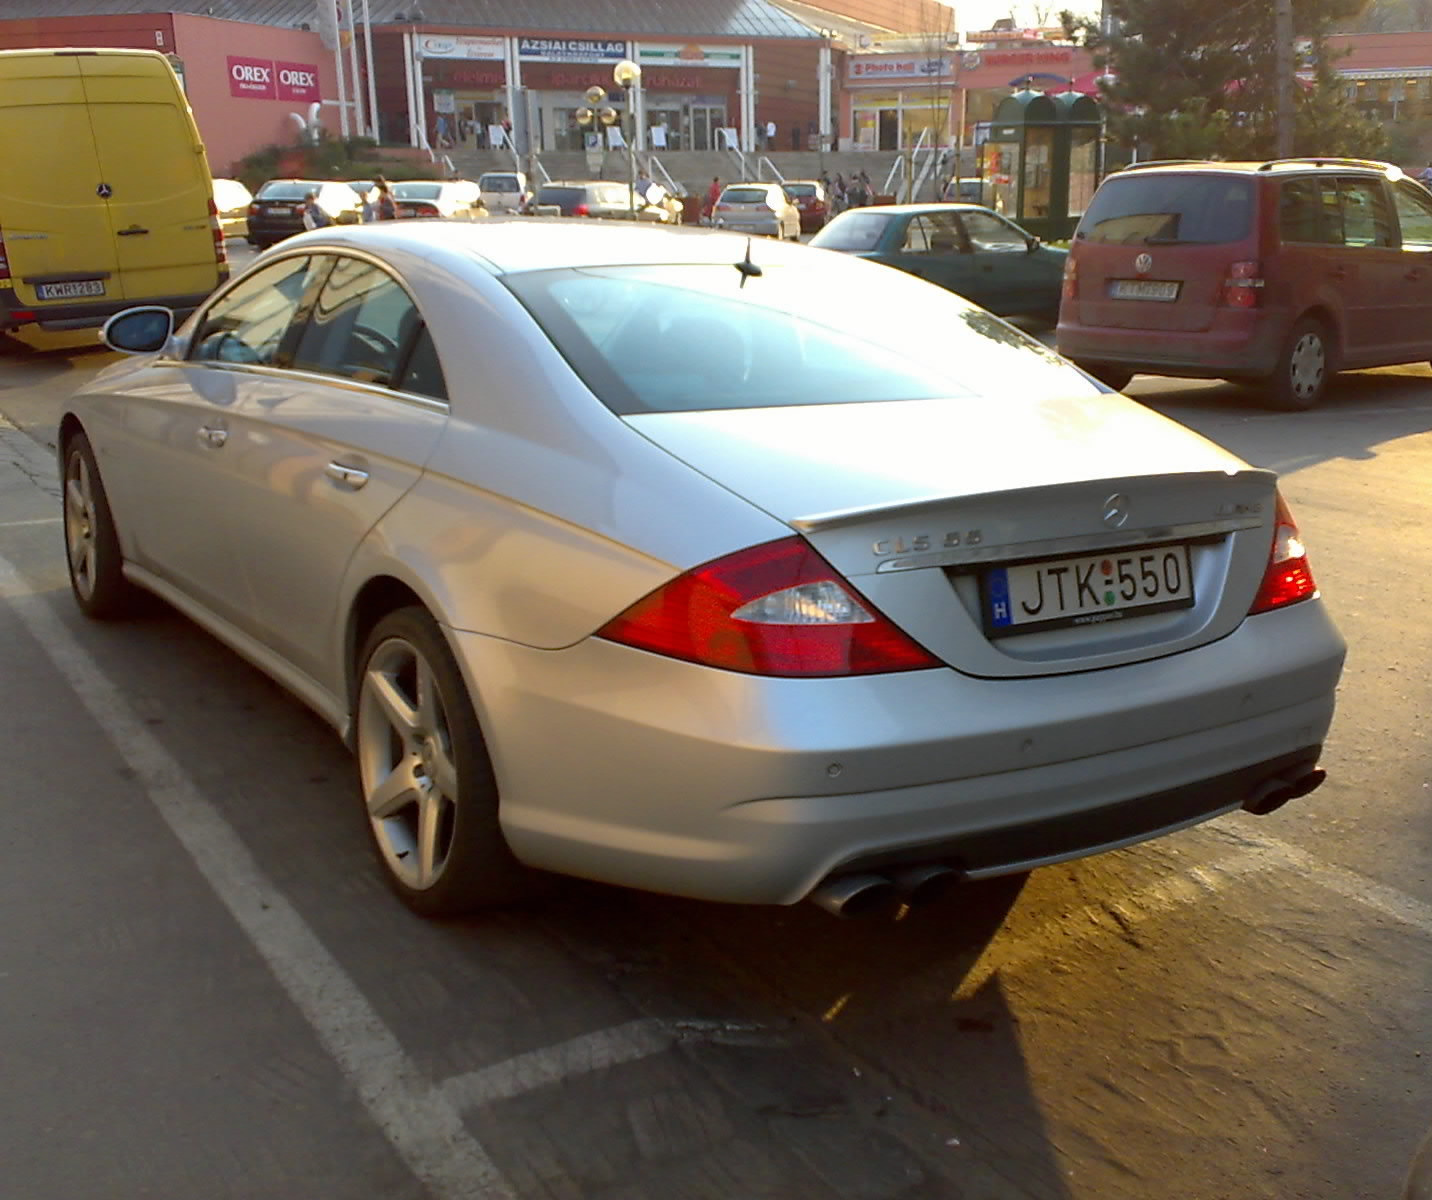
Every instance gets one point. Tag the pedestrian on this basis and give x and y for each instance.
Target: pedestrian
(313, 215)
(385, 208)
(839, 197)
(713, 194)
(770, 135)
(643, 186)
(1426, 175)
(795, 137)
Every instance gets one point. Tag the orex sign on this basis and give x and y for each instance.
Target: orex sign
(264, 79)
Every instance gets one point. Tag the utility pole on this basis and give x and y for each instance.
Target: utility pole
(1283, 75)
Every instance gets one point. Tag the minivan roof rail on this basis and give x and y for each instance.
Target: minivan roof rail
(1161, 162)
(1325, 162)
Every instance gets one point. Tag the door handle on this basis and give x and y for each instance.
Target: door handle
(132, 231)
(213, 435)
(349, 477)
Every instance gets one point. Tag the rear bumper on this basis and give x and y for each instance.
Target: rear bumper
(268, 230)
(90, 313)
(680, 779)
(761, 226)
(1239, 349)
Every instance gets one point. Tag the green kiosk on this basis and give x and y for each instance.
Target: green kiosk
(1042, 159)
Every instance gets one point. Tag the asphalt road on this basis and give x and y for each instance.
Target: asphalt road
(206, 992)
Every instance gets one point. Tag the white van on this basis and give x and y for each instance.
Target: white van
(105, 195)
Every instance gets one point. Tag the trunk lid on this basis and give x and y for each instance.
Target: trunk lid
(1154, 249)
(916, 504)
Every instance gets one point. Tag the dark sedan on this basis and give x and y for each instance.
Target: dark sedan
(277, 208)
(970, 250)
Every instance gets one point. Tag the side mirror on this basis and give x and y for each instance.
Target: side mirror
(1031, 244)
(139, 330)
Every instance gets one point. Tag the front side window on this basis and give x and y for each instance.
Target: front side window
(360, 326)
(247, 323)
(987, 232)
(690, 338)
(1414, 214)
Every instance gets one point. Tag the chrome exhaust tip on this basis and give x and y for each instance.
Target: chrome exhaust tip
(1272, 794)
(855, 895)
(924, 885)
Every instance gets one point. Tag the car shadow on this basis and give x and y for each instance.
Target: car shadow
(871, 990)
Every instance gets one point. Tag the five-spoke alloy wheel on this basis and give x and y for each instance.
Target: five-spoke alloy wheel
(91, 543)
(425, 775)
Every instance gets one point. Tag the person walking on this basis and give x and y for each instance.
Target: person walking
(713, 194)
(385, 208)
(313, 215)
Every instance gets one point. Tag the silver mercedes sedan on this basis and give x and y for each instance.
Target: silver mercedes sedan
(740, 571)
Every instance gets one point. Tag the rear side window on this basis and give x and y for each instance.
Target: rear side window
(423, 373)
(1366, 219)
(1168, 209)
(1300, 213)
(933, 232)
(855, 232)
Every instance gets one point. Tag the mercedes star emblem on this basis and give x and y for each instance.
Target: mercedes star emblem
(104, 191)
(1116, 510)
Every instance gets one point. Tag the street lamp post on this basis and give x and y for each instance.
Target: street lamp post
(625, 75)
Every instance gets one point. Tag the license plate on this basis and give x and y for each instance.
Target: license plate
(69, 290)
(1091, 590)
(1144, 289)
(275, 210)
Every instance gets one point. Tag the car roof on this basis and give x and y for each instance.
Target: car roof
(509, 245)
(1270, 166)
(902, 209)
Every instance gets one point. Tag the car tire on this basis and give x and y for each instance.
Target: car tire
(1304, 368)
(424, 775)
(1114, 377)
(92, 553)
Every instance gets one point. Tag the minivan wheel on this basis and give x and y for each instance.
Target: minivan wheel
(425, 777)
(1303, 370)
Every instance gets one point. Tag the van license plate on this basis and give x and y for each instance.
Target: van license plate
(1090, 590)
(1144, 289)
(69, 290)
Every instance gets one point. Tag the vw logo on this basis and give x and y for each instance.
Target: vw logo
(1144, 263)
(1116, 510)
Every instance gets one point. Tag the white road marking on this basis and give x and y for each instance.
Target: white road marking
(416, 1117)
(31, 521)
(590, 1052)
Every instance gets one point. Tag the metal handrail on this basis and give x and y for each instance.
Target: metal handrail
(763, 160)
(672, 186)
(899, 167)
(737, 153)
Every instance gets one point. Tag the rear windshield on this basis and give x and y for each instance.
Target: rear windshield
(288, 189)
(852, 231)
(800, 189)
(417, 191)
(683, 338)
(497, 183)
(1168, 210)
(561, 195)
(745, 196)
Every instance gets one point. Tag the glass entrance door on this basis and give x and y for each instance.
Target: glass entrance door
(706, 119)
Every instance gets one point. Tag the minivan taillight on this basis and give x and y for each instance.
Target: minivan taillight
(1243, 285)
(1070, 288)
(774, 609)
(581, 210)
(4, 259)
(1288, 577)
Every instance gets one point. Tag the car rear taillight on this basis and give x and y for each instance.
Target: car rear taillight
(1243, 285)
(1070, 288)
(221, 252)
(4, 259)
(581, 210)
(773, 609)
(723, 208)
(1288, 578)
(254, 209)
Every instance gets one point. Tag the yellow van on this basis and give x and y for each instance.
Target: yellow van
(105, 194)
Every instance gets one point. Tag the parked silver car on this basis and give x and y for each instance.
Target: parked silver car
(644, 555)
(763, 208)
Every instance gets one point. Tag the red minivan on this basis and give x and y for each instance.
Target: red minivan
(1278, 273)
